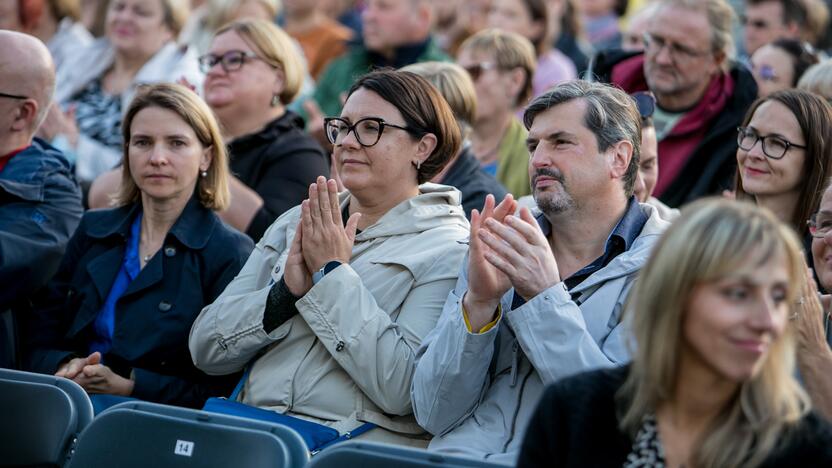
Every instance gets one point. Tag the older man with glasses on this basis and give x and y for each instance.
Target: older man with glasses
(701, 94)
(40, 202)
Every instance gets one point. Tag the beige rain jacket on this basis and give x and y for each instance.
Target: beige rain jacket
(348, 357)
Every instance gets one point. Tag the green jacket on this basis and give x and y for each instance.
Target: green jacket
(342, 72)
(513, 162)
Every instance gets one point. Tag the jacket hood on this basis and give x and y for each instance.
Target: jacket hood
(435, 206)
(635, 257)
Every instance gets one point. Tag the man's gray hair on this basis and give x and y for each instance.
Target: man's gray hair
(611, 115)
(721, 17)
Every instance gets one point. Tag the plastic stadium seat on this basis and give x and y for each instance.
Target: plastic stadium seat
(375, 455)
(141, 434)
(79, 397)
(38, 424)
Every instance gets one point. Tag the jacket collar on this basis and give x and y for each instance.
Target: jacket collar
(192, 229)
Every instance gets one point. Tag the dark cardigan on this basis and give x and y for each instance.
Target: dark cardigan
(575, 425)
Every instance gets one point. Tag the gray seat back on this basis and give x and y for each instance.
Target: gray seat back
(37, 424)
(79, 397)
(141, 434)
(375, 455)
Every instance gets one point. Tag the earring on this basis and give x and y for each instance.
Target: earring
(418, 165)
(275, 100)
(204, 174)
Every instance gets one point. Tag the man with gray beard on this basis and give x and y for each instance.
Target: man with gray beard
(540, 297)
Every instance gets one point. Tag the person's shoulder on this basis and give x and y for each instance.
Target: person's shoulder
(807, 443)
(745, 86)
(227, 241)
(286, 137)
(590, 386)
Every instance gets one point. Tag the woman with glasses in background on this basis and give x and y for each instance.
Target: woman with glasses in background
(253, 70)
(814, 330)
(783, 159)
(337, 296)
(780, 64)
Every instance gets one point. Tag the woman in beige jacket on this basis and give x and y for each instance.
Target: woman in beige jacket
(332, 312)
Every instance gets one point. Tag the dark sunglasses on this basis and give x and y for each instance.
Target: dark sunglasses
(646, 103)
(478, 69)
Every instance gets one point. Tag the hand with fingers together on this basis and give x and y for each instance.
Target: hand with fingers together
(486, 283)
(520, 251)
(324, 236)
(98, 378)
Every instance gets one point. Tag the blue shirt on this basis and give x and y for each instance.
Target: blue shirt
(130, 268)
(619, 241)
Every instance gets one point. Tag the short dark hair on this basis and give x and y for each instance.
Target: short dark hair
(794, 11)
(611, 115)
(814, 115)
(424, 111)
(802, 54)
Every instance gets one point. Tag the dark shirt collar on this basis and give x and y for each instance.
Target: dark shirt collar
(193, 228)
(403, 55)
(620, 240)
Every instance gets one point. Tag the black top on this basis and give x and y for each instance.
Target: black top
(475, 184)
(278, 162)
(575, 425)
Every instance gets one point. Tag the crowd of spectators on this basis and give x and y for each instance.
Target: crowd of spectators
(513, 230)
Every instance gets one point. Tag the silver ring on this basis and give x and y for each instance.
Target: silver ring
(800, 300)
(793, 316)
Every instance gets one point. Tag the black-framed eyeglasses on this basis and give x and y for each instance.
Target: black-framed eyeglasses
(13, 96)
(677, 51)
(646, 103)
(775, 147)
(820, 224)
(476, 70)
(367, 131)
(230, 61)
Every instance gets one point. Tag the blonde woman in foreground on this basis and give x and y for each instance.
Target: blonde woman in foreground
(712, 379)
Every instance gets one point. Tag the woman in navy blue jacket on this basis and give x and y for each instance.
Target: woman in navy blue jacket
(116, 316)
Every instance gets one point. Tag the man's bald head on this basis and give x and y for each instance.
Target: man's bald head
(26, 69)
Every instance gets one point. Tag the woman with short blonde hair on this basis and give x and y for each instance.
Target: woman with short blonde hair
(712, 380)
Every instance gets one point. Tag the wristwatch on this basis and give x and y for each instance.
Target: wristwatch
(319, 275)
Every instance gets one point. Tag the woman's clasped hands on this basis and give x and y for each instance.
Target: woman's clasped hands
(321, 236)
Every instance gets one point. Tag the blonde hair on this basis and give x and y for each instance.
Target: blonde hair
(176, 14)
(818, 79)
(455, 85)
(712, 239)
(276, 48)
(220, 12)
(212, 189)
(510, 50)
